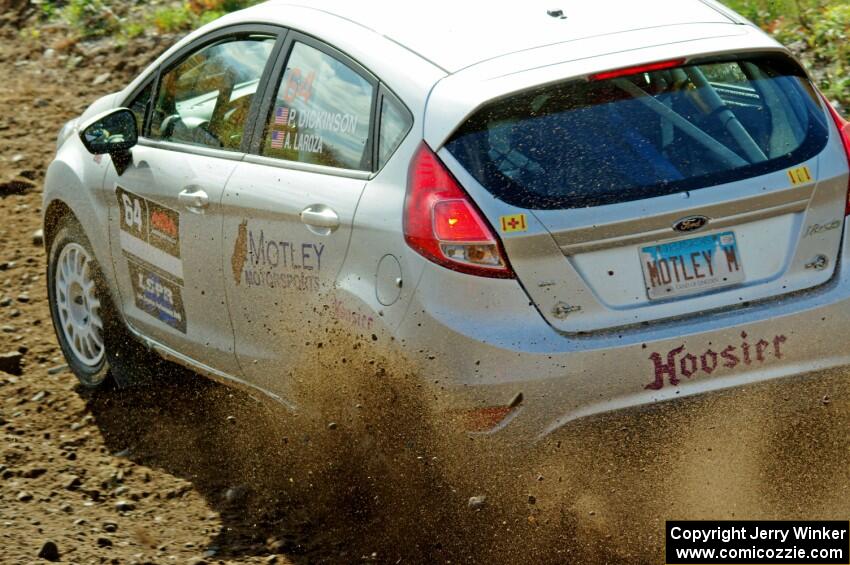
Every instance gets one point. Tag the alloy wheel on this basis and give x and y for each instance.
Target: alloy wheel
(78, 306)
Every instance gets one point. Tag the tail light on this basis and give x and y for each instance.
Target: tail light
(442, 224)
(844, 132)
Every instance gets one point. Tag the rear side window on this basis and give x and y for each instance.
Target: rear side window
(593, 142)
(322, 113)
(395, 123)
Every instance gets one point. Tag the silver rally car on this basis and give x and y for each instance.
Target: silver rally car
(552, 213)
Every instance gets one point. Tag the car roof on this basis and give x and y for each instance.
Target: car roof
(455, 34)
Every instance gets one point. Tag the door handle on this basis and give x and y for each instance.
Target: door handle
(320, 219)
(194, 198)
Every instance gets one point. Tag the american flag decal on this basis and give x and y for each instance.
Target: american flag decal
(277, 139)
(281, 116)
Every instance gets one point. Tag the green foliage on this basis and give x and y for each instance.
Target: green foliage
(208, 16)
(132, 29)
(48, 9)
(93, 18)
(827, 37)
(173, 18)
(764, 12)
(132, 18)
(185, 16)
(816, 30)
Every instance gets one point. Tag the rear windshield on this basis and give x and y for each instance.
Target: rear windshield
(592, 142)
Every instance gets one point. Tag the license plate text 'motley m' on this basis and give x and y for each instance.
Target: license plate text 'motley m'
(691, 265)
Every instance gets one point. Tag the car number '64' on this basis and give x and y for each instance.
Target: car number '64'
(132, 212)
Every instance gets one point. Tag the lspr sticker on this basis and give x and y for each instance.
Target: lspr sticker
(158, 296)
(514, 223)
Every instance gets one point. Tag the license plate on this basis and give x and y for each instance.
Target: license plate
(690, 266)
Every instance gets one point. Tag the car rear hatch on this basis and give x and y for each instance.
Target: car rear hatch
(659, 191)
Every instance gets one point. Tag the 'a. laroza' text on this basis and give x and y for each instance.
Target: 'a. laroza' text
(304, 142)
(726, 535)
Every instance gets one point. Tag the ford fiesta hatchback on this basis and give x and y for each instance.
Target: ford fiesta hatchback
(544, 214)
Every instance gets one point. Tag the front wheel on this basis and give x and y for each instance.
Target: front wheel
(78, 305)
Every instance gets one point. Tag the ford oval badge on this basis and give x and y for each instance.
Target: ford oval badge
(691, 223)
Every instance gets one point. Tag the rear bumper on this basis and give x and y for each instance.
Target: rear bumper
(483, 344)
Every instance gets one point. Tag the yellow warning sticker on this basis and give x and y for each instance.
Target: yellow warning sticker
(800, 175)
(514, 223)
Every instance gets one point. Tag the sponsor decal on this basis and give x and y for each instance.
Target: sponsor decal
(278, 138)
(680, 362)
(296, 85)
(815, 229)
(335, 122)
(149, 222)
(354, 318)
(262, 261)
(301, 282)
(281, 116)
(297, 142)
(303, 129)
(240, 252)
(165, 224)
(324, 121)
(150, 240)
(158, 295)
(800, 175)
(515, 223)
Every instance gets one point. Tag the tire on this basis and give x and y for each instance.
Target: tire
(96, 344)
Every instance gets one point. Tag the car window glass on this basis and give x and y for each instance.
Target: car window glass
(394, 127)
(139, 106)
(321, 114)
(625, 137)
(205, 99)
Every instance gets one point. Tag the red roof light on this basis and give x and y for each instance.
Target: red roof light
(648, 68)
